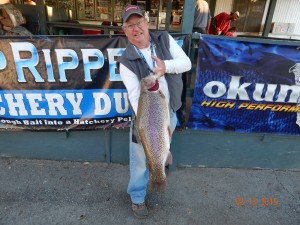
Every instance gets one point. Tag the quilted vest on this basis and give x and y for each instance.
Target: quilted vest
(132, 60)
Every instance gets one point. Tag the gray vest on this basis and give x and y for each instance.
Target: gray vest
(131, 59)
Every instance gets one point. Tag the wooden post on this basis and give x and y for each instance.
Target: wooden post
(42, 17)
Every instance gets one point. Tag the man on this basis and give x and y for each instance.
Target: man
(221, 22)
(202, 17)
(148, 53)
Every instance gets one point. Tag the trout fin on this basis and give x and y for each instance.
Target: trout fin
(169, 132)
(169, 160)
(161, 93)
(147, 164)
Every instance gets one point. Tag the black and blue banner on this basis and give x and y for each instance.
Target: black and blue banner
(62, 83)
(250, 86)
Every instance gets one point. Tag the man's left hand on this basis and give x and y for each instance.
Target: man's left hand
(160, 68)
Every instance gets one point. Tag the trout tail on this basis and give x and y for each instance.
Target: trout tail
(158, 186)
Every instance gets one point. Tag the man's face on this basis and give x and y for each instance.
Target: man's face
(137, 30)
(234, 17)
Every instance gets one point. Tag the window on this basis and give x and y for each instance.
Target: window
(251, 14)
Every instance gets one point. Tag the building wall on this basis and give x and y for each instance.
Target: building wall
(223, 6)
(287, 11)
(189, 148)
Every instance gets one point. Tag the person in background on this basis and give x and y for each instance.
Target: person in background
(230, 32)
(11, 20)
(148, 53)
(202, 17)
(221, 22)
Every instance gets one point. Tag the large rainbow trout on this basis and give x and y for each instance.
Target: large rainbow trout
(153, 128)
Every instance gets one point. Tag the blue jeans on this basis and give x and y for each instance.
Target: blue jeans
(139, 174)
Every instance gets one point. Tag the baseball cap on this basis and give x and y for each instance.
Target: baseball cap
(130, 10)
(237, 13)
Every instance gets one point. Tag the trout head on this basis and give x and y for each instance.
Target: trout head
(150, 83)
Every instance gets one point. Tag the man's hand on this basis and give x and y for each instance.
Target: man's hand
(160, 68)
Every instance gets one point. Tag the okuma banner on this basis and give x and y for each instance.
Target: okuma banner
(250, 86)
(62, 83)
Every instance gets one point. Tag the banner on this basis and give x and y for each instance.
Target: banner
(250, 86)
(62, 83)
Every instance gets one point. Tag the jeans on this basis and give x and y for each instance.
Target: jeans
(139, 174)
